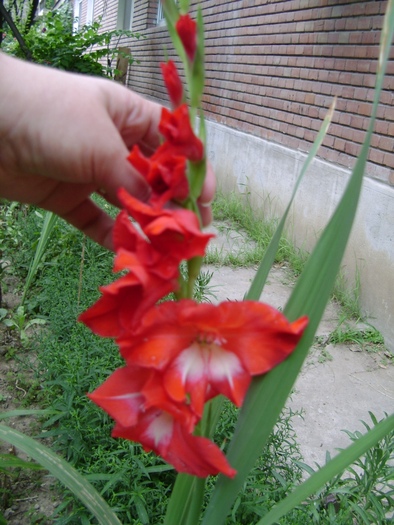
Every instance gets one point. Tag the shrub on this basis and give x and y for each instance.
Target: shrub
(52, 42)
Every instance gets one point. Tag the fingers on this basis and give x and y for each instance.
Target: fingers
(93, 222)
(136, 118)
(206, 215)
(207, 195)
(121, 174)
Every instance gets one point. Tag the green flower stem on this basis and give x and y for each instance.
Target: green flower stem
(193, 267)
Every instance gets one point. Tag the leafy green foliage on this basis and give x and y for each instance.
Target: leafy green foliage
(89, 50)
(17, 321)
(345, 333)
(238, 212)
(72, 361)
(276, 471)
(363, 494)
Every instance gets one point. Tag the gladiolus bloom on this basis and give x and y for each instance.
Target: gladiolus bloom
(165, 173)
(169, 231)
(204, 350)
(173, 82)
(160, 432)
(181, 140)
(151, 276)
(143, 412)
(186, 28)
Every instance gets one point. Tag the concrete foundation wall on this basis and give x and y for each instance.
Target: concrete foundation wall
(268, 171)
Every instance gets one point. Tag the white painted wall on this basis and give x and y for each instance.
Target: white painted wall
(269, 171)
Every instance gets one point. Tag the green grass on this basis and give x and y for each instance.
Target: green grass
(236, 211)
(365, 336)
(71, 361)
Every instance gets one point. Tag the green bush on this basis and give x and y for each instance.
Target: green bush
(52, 42)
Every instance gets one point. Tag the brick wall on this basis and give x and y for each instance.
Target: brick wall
(274, 67)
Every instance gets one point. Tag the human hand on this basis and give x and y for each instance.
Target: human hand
(65, 136)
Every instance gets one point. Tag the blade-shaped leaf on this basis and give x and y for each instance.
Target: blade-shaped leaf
(64, 472)
(26, 412)
(197, 76)
(47, 227)
(267, 395)
(10, 461)
(265, 266)
(332, 468)
(181, 499)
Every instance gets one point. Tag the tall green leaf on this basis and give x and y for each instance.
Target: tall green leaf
(64, 472)
(184, 507)
(330, 470)
(268, 394)
(265, 266)
(49, 222)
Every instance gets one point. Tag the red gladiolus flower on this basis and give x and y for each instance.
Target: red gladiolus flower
(135, 254)
(186, 28)
(143, 412)
(165, 173)
(170, 231)
(160, 432)
(152, 275)
(173, 82)
(131, 391)
(203, 350)
(181, 140)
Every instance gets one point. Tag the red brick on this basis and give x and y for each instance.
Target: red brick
(386, 143)
(365, 108)
(263, 76)
(382, 127)
(376, 156)
(389, 160)
(339, 144)
(352, 149)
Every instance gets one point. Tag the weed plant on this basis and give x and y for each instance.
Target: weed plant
(364, 494)
(72, 361)
(365, 337)
(237, 211)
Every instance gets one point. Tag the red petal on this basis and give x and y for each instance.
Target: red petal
(186, 28)
(139, 161)
(173, 82)
(158, 340)
(125, 234)
(103, 317)
(141, 212)
(180, 138)
(174, 232)
(197, 456)
(187, 453)
(120, 395)
(123, 303)
(260, 335)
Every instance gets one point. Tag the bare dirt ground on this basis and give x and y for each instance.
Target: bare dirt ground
(338, 386)
(28, 497)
